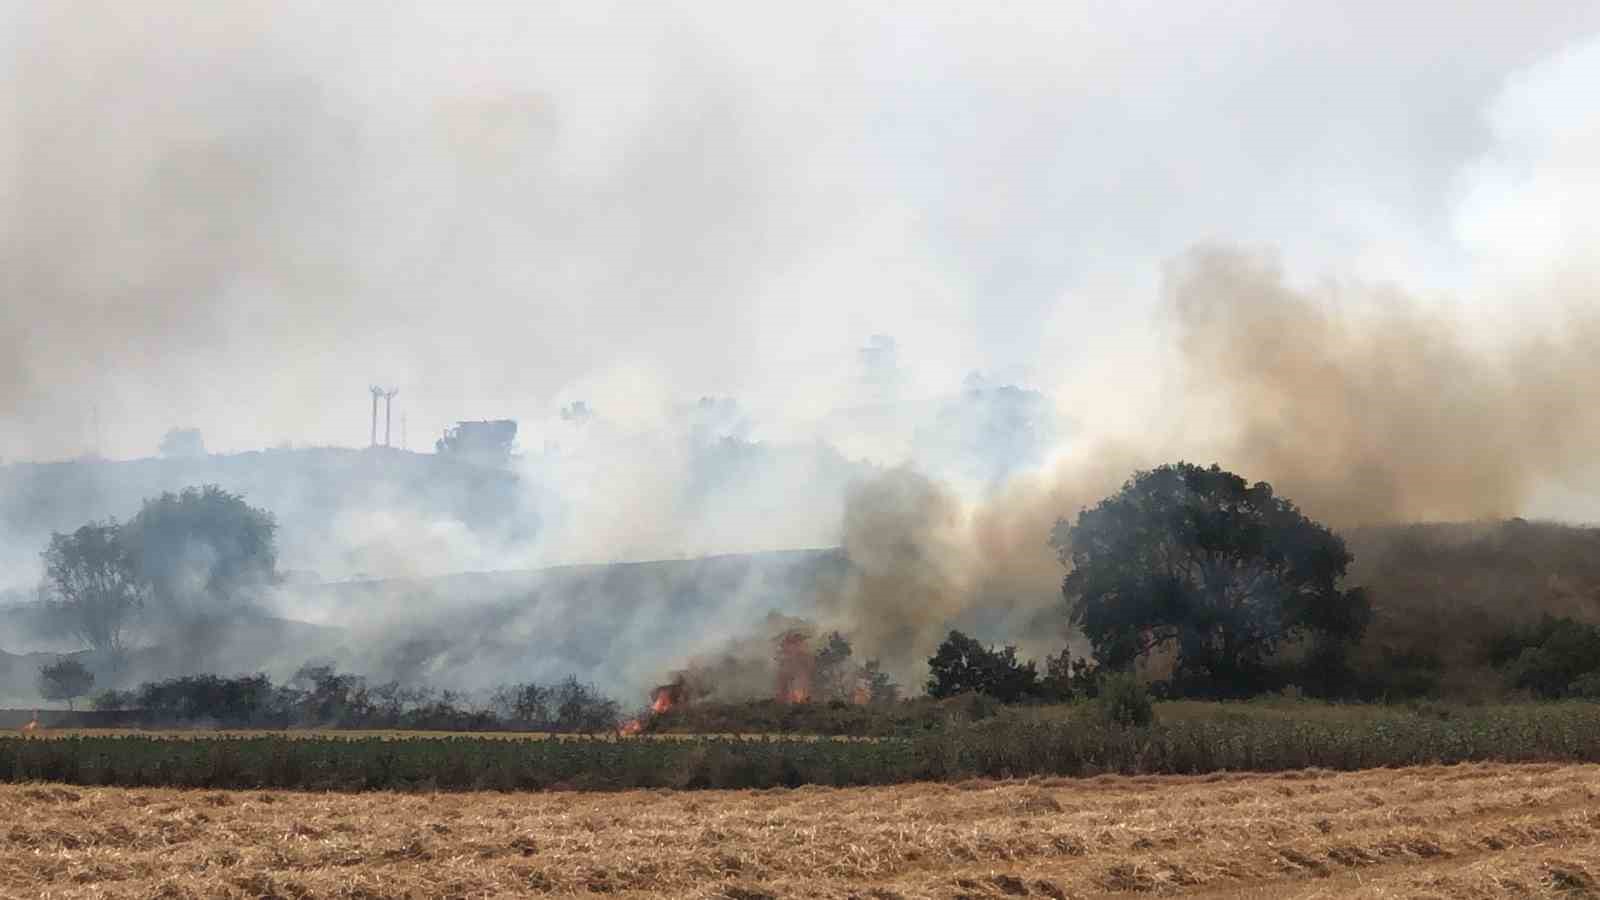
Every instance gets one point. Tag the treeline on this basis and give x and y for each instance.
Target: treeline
(968, 681)
(1557, 658)
(320, 697)
(1211, 587)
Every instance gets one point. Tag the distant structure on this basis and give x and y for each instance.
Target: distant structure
(183, 443)
(388, 412)
(487, 442)
(376, 393)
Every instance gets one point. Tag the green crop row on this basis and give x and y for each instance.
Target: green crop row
(1236, 737)
(451, 763)
(1012, 745)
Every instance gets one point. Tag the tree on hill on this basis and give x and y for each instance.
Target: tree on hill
(878, 686)
(92, 586)
(832, 675)
(1197, 562)
(962, 664)
(201, 544)
(64, 679)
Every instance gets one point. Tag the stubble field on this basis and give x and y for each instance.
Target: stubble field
(1476, 830)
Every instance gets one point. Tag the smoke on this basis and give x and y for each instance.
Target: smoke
(1356, 401)
(909, 568)
(239, 216)
(1367, 407)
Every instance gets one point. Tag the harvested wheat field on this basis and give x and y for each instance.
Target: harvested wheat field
(1465, 831)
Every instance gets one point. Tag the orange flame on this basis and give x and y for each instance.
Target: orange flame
(862, 695)
(796, 667)
(663, 699)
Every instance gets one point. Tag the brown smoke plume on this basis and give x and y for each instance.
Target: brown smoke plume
(1374, 414)
(910, 567)
(1384, 412)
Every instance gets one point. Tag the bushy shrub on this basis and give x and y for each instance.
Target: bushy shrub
(1056, 684)
(244, 700)
(320, 696)
(111, 699)
(970, 707)
(962, 664)
(1124, 701)
(1585, 687)
(1554, 656)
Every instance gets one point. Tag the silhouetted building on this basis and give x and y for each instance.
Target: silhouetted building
(486, 442)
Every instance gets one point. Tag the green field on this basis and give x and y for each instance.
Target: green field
(1068, 740)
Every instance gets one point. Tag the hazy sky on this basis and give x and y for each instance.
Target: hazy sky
(238, 216)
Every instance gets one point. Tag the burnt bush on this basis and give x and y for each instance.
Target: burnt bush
(321, 697)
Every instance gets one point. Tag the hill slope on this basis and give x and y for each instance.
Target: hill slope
(1440, 592)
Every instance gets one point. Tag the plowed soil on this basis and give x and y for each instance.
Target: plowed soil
(1461, 831)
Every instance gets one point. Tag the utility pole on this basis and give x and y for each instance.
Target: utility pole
(388, 412)
(376, 393)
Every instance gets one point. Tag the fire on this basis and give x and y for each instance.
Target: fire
(796, 666)
(665, 697)
(862, 694)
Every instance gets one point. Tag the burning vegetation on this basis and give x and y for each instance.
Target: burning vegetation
(796, 667)
(801, 667)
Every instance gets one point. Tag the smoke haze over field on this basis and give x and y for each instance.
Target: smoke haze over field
(914, 280)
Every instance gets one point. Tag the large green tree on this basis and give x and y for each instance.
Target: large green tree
(1199, 562)
(92, 585)
(962, 664)
(202, 544)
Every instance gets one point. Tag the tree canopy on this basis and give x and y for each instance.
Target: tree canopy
(92, 585)
(832, 677)
(201, 543)
(962, 664)
(64, 679)
(1198, 562)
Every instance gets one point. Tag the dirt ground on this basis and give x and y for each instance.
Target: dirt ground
(1464, 831)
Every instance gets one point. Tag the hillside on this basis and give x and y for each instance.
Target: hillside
(1440, 591)
(326, 501)
(621, 625)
